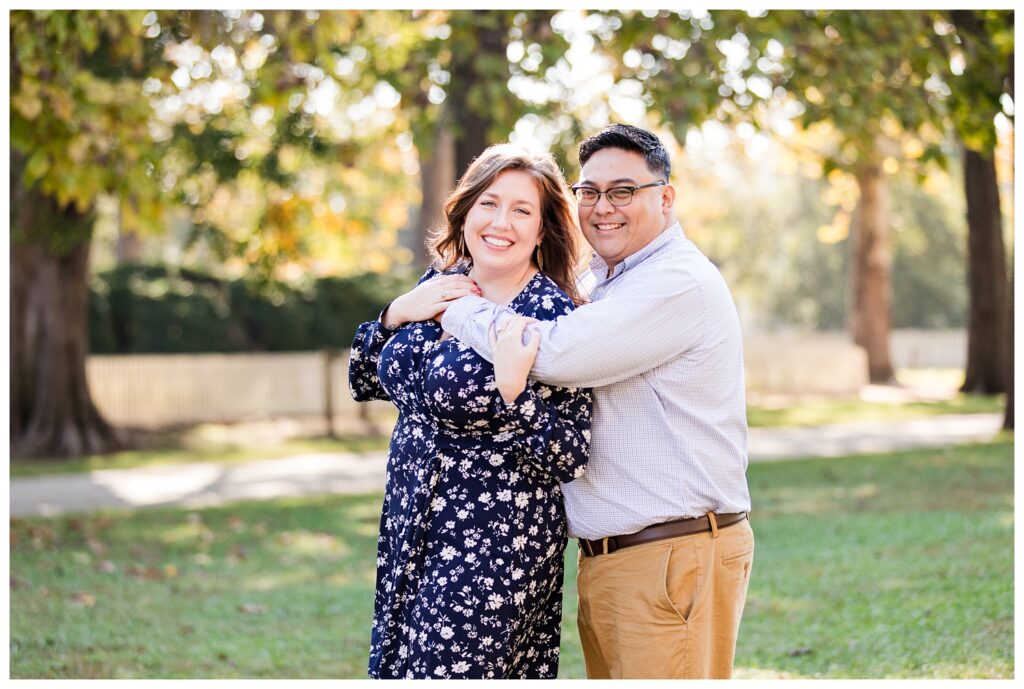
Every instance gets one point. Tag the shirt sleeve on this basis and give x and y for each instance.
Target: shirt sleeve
(629, 332)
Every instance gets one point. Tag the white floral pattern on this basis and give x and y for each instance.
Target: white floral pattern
(473, 529)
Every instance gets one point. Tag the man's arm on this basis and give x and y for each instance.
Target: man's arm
(623, 335)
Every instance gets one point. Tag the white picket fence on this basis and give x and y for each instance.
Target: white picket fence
(160, 390)
(928, 348)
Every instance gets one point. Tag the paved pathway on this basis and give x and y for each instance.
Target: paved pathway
(202, 485)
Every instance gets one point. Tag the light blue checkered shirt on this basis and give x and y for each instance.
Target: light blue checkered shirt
(660, 343)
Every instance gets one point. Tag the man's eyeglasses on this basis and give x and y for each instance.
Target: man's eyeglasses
(617, 196)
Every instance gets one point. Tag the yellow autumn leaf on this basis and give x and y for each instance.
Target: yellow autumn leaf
(77, 148)
(27, 105)
(37, 166)
(62, 103)
(86, 600)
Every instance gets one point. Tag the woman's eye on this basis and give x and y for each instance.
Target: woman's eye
(523, 211)
(489, 204)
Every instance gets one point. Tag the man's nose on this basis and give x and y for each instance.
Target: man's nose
(603, 205)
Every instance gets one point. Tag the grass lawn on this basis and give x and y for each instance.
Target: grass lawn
(897, 565)
(851, 409)
(171, 448)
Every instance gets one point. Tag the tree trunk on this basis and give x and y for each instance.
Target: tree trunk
(986, 275)
(437, 177)
(52, 413)
(471, 118)
(1008, 416)
(872, 285)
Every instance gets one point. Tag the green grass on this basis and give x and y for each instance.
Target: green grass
(897, 565)
(850, 410)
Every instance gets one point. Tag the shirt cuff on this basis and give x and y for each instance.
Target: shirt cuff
(470, 310)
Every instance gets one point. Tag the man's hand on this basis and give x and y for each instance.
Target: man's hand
(428, 300)
(512, 358)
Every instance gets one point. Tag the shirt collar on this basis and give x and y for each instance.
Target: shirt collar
(669, 234)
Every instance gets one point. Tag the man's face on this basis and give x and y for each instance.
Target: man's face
(616, 232)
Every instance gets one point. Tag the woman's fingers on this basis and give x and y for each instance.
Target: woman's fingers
(451, 287)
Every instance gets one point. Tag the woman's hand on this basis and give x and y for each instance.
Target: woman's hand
(513, 359)
(428, 299)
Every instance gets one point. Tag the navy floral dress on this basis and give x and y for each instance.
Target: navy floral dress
(473, 529)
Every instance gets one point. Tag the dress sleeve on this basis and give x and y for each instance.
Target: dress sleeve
(371, 336)
(551, 423)
(363, 357)
(552, 426)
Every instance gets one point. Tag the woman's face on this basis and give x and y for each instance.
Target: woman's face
(503, 226)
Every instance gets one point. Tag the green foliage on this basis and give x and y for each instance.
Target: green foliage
(981, 45)
(137, 309)
(80, 121)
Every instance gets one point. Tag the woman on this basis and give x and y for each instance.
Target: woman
(472, 534)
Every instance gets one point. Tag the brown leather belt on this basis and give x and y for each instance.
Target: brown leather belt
(657, 532)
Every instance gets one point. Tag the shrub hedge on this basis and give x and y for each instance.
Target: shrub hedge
(144, 308)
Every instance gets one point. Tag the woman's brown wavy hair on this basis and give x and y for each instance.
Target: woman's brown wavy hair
(561, 243)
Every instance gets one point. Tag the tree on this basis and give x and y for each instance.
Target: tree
(454, 86)
(158, 109)
(978, 47)
(76, 128)
(859, 75)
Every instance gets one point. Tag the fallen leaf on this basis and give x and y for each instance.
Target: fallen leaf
(235, 523)
(252, 609)
(107, 567)
(800, 652)
(170, 571)
(98, 549)
(86, 600)
(147, 573)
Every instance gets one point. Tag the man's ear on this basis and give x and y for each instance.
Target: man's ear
(668, 197)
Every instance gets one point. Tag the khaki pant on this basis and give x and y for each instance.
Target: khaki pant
(668, 609)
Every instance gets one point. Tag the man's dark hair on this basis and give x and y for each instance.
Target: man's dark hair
(629, 138)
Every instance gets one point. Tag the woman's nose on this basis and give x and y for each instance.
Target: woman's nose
(500, 220)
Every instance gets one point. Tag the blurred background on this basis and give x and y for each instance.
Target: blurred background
(205, 204)
(262, 181)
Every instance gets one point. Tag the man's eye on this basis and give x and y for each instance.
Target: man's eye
(620, 193)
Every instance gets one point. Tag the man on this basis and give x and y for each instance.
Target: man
(665, 545)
